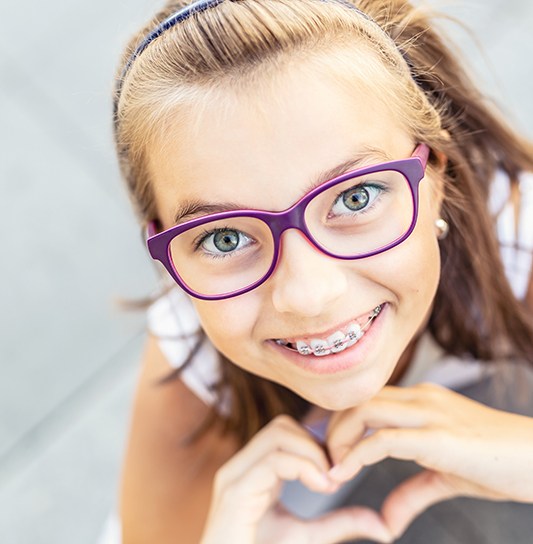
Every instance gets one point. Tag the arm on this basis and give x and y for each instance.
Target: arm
(166, 487)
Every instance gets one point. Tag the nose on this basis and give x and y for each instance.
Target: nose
(306, 280)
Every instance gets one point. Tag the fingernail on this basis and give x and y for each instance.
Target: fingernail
(337, 473)
(333, 487)
(342, 473)
(386, 536)
(324, 481)
(397, 533)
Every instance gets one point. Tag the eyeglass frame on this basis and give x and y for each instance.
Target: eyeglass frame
(412, 169)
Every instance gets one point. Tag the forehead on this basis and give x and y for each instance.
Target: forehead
(261, 146)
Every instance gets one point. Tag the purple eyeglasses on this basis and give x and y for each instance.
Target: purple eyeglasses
(353, 216)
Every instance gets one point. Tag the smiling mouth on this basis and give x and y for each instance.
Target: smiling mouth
(335, 343)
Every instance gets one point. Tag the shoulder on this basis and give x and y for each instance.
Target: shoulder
(174, 325)
(503, 384)
(506, 385)
(512, 207)
(164, 414)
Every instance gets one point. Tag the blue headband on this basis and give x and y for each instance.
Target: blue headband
(176, 18)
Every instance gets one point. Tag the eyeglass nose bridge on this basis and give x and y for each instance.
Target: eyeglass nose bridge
(293, 218)
(280, 222)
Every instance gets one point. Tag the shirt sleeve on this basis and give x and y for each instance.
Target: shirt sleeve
(515, 233)
(173, 320)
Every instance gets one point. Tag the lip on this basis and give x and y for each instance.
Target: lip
(337, 362)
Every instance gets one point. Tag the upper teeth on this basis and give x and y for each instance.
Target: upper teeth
(320, 347)
(336, 342)
(303, 348)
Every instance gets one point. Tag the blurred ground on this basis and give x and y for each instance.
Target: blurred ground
(70, 245)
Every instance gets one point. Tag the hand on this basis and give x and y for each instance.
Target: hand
(244, 507)
(467, 448)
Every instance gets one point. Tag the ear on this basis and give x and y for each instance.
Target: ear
(441, 162)
(442, 159)
(438, 166)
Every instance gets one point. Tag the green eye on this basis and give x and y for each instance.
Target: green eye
(222, 242)
(226, 240)
(356, 199)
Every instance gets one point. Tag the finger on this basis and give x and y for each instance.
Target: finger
(282, 434)
(289, 435)
(378, 413)
(279, 466)
(343, 433)
(413, 497)
(256, 490)
(412, 392)
(347, 524)
(424, 446)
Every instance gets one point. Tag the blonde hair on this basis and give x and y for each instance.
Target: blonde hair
(242, 43)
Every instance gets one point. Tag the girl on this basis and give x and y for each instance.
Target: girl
(318, 177)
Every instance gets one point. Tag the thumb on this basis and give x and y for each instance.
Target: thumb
(346, 524)
(413, 497)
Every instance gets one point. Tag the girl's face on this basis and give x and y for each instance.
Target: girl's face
(262, 151)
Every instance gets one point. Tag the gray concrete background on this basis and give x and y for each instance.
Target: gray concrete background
(70, 245)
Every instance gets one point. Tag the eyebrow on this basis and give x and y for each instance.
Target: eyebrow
(365, 157)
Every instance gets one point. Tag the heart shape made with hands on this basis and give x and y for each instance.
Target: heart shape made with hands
(408, 500)
(399, 509)
(445, 433)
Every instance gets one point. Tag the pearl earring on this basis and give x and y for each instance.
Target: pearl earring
(442, 228)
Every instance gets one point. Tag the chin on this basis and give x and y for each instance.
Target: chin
(338, 398)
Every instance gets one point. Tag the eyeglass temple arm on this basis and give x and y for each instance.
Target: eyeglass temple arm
(150, 230)
(422, 152)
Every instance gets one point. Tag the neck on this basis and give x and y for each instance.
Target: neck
(403, 363)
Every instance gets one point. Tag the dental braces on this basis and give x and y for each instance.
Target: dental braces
(352, 336)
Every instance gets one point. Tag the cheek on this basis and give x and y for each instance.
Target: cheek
(421, 253)
(424, 266)
(230, 325)
(419, 260)
(411, 273)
